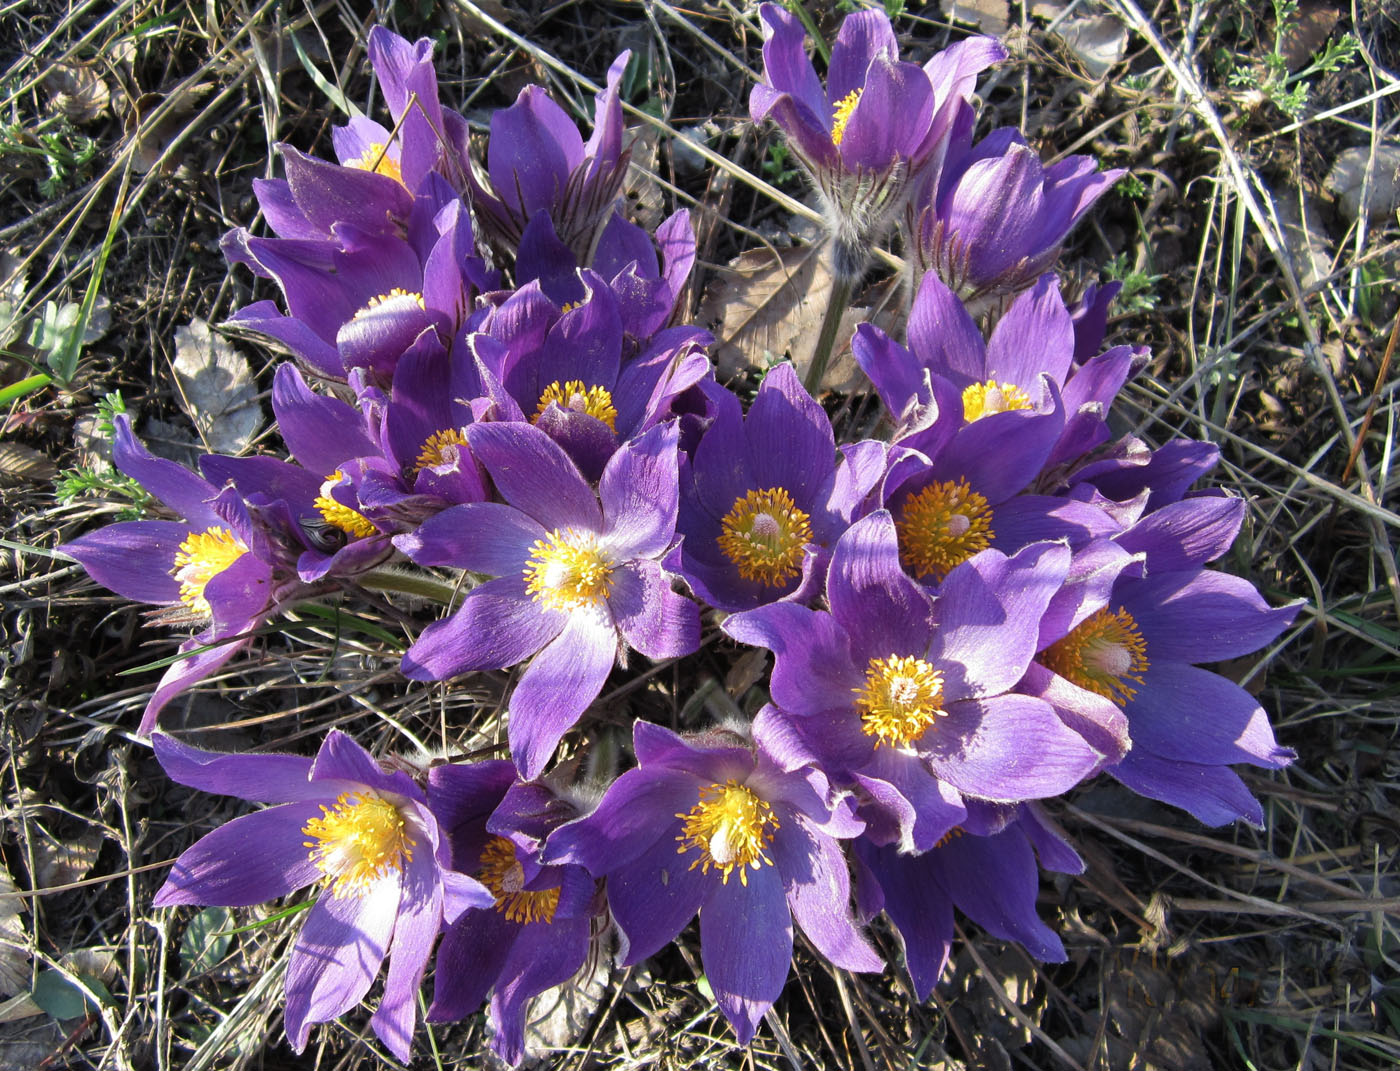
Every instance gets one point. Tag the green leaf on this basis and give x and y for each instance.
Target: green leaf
(62, 999)
(206, 940)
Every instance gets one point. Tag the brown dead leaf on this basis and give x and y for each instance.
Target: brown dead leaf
(770, 306)
(61, 862)
(154, 124)
(989, 16)
(217, 391)
(1098, 42)
(77, 91)
(1307, 33)
(14, 945)
(18, 461)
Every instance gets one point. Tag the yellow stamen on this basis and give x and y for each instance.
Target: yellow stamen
(376, 159)
(435, 449)
(841, 115)
(901, 698)
(502, 873)
(201, 557)
(763, 534)
(984, 399)
(1102, 654)
(567, 570)
(393, 295)
(362, 839)
(340, 516)
(593, 401)
(942, 526)
(948, 838)
(730, 826)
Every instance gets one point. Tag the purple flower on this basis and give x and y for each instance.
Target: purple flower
(374, 843)
(986, 867)
(537, 162)
(538, 932)
(867, 137)
(764, 498)
(994, 217)
(217, 567)
(1139, 643)
(579, 580)
(910, 699)
(712, 825)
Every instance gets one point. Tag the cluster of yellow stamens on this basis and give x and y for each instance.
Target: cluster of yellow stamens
(436, 447)
(393, 295)
(1103, 653)
(201, 557)
(730, 827)
(900, 699)
(567, 570)
(948, 838)
(942, 526)
(841, 115)
(377, 159)
(358, 841)
(502, 873)
(592, 401)
(763, 535)
(984, 399)
(348, 520)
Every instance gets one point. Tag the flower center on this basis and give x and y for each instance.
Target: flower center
(901, 698)
(1102, 654)
(763, 535)
(358, 841)
(440, 448)
(841, 115)
(592, 401)
(502, 873)
(378, 160)
(349, 521)
(984, 399)
(942, 526)
(567, 570)
(396, 294)
(201, 557)
(730, 826)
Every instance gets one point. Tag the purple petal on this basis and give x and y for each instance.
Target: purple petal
(652, 618)
(133, 558)
(473, 952)
(924, 807)
(656, 894)
(640, 494)
(870, 595)
(1034, 338)
(994, 881)
(943, 336)
(261, 778)
(497, 625)
(192, 669)
(863, 37)
(534, 475)
(919, 908)
(337, 956)
(533, 149)
(789, 436)
(1192, 715)
(746, 945)
(1202, 616)
(173, 484)
(480, 537)
(557, 687)
(543, 956)
(1214, 794)
(321, 432)
(415, 930)
(819, 894)
(250, 860)
(638, 808)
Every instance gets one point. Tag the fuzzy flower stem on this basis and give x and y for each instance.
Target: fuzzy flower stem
(417, 585)
(840, 297)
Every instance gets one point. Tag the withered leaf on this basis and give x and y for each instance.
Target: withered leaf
(24, 462)
(1307, 33)
(989, 16)
(217, 391)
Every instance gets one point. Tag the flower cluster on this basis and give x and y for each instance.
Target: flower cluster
(968, 616)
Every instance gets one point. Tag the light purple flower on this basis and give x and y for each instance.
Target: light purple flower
(579, 579)
(712, 825)
(374, 843)
(910, 699)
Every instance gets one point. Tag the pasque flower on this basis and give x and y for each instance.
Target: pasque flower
(711, 824)
(341, 820)
(538, 932)
(579, 579)
(868, 136)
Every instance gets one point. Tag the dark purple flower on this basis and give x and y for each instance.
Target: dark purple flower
(994, 217)
(867, 137)
(910, 699)
(985, 867)
(373, 842)
(1137, 643)
(579, 579)
(537, 162)
(670, 835)
(763, 499)
(538, 933)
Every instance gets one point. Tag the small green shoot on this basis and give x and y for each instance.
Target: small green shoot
(1139, 287)
(777, 165)
(1289, 92)
(106, 482)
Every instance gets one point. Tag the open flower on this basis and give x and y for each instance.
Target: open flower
(341, 820)
(712, 825)
(868, 136)
(579, 580)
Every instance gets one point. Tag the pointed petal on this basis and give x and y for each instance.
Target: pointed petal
(250, 860)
